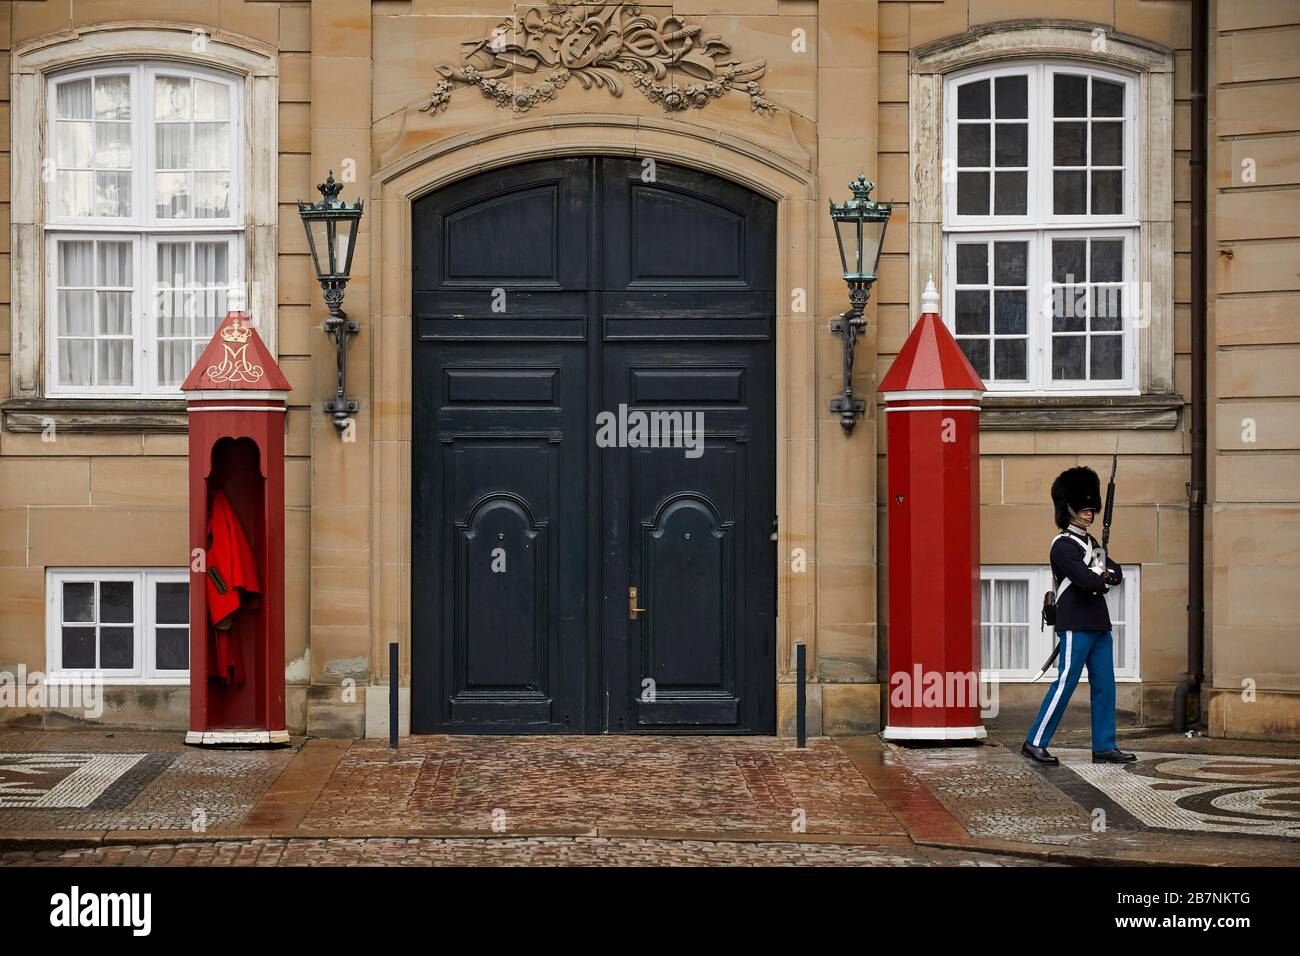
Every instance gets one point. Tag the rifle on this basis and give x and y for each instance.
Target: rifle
(1107, 513)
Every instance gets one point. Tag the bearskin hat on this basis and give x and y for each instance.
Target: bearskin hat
(1075, 488)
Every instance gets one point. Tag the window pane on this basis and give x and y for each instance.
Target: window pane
(1107, 189)
(1068, 193)
(1012, 145)
(1069, 144)
(76, 313)
(1106, 357)
(1068, 264)
(113, 97)
(1107, 98)
(174, 361)
(1009, 359)
(172, 648)
(972, 194)
(977, 350)
(972, 312)
(211, 145)
(1010, 193)
(1107, 144)
(1067, 357)
(1106, 260)
(172, 191)
(76, 263)
(79, 647)
(1106, 308)
(211, 100)
(172, 146)
(113, 194)
(75, 193)
(115, 313)
(72, 144)
(171, 98)
(79, 602)
(114, 261)
(72, 99)
(1069, 95)
(1010, 313)
(115, 362)
(1012, 94)
(76, 362)
(1069, 308)
(972, 263)
(973, 144)
(171, 602)
(116, 648)
(210, 265)
(211, 195)
(1010, 263)
(116, 602)
(973, 100)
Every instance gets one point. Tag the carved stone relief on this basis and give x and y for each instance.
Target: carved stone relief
(526, 61)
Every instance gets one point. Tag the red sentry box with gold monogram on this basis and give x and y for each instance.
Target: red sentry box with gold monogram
(236, 400)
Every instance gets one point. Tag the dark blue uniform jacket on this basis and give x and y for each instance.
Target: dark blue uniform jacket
(1082, 607)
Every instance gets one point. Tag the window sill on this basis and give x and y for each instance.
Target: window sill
(1079, 412)
(80, 415)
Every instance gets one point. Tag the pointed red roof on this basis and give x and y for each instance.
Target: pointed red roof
(931, 359)
(236, 359)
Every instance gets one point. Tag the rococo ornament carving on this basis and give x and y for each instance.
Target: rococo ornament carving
(601, 45)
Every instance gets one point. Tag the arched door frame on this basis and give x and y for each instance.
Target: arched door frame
(791, 186)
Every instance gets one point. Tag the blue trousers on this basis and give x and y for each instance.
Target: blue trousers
(1078, 648)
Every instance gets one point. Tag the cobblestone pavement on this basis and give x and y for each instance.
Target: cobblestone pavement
(1190, 797)
(526, 851)
(643, 784)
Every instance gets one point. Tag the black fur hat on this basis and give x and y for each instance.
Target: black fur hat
(1076, 488)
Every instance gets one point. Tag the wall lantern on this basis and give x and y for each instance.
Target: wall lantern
(860, 231)
(332, 233)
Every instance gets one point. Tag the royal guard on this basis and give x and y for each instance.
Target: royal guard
(1082, 572)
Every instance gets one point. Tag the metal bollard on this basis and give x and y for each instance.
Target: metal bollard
(392, 696)
(801, 694)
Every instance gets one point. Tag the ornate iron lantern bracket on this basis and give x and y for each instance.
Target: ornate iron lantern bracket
(331, 226)
(860, 233)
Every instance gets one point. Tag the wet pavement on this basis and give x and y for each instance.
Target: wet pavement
(85, 798)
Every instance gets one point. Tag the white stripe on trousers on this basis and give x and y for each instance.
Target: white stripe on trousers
(1060, 686)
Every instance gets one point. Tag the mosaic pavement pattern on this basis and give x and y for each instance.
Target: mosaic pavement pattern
(528, 851)
(1203, 793)
(655, 784)
(62, 781)
(125, 789)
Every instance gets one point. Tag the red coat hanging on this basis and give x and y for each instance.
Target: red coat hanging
(231, 583)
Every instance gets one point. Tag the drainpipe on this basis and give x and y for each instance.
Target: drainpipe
(1196, 489)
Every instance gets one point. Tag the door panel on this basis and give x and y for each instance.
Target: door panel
(544, 294)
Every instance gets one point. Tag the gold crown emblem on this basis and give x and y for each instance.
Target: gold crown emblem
(236, 332)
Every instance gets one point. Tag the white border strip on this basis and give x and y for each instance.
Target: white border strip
(227, 394)
(237, 408)
(955, 393)
(934, 733)
(934, 408)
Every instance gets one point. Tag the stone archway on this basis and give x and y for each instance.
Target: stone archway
(790, 185)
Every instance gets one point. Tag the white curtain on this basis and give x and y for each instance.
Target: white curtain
(1005, 605)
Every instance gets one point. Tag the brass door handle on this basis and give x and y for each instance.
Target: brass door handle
(632, 609)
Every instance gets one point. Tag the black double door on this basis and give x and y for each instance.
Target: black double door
(570, 315)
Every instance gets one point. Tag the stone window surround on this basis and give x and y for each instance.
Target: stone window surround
(31, 63)
(1157, 406)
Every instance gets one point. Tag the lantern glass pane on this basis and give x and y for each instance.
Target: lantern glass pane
(347, 243)
(317, 232)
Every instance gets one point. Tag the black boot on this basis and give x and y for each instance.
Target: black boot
(1115, 755)
(1039, 754)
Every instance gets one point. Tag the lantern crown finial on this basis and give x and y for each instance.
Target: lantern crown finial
(330, 189)
(930, 297)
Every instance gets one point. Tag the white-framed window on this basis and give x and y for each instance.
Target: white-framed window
(1040, 226)
(144, 224)
(1012, 644)
(123, 625)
